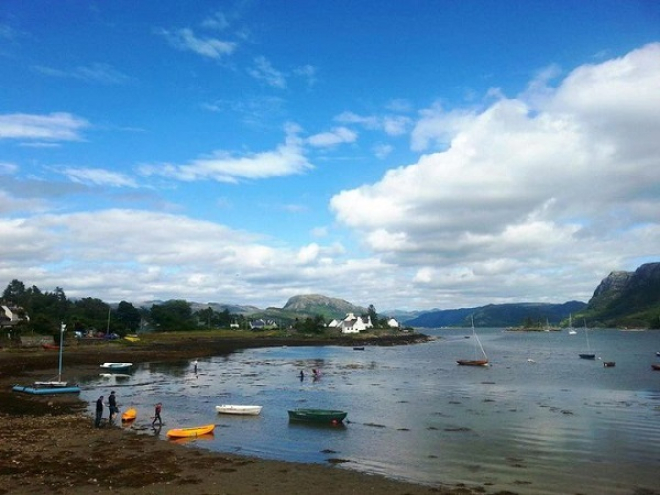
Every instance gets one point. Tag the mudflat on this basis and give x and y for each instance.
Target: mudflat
(48, 444)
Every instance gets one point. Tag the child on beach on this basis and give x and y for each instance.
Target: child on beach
(157, 410)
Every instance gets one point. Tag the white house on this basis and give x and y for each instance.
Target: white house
(392, 323)
(352, 323)
(10, 315)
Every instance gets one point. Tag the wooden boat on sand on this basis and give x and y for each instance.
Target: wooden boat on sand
(241, 410)
(329, 416)
(194, 431)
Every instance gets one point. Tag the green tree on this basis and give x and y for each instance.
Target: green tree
(127, 317)
(14, 293)
(172, 315)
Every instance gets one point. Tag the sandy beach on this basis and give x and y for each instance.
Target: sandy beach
(48, 444)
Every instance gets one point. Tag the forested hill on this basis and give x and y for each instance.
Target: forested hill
(626, 299)
(499, 315)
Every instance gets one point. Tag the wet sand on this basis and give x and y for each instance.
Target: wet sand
(48, 444)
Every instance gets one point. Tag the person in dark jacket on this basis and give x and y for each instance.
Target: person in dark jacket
(99, 412)
(112, 405)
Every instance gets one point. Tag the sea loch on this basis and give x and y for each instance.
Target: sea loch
(539, 420)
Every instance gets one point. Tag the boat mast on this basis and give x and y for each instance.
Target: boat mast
(59, 369)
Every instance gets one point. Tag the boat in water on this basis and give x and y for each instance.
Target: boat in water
(588, 354)
(327, 416)
(117, 367)
(477, 361)
(240, 410)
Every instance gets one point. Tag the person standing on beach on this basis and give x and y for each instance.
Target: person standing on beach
(195, 365)
(99, 412)
(157, 410)
(112, 405)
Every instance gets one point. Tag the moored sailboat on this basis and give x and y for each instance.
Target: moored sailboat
(476, 361)
(588, 354)
(57, 386)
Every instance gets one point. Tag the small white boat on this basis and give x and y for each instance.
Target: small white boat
(116, 366)
(238, 409)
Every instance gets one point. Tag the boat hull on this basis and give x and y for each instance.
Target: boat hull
(46, 390)
(328, 416)
(117, 367)
(239, 410)
(195, 431)
(609, 364)
(656, 367)
(472, 362)
(587, 356)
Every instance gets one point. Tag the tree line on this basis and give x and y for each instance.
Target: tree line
(43, 312)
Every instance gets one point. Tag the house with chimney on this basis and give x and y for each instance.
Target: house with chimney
(352, 323)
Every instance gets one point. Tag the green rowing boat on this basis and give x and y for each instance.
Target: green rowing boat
(330, 416)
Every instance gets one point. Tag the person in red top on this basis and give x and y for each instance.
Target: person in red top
(157, 410)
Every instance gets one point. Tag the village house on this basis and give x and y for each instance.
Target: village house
(392, 323)
(12, 315)
(352, 323)
(261, 324)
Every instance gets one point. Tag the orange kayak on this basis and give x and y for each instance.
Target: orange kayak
(129, 415)
(195, 431)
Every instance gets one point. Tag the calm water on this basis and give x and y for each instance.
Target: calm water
(554, 425)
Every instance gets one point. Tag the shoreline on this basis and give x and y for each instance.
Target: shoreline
(48, 443)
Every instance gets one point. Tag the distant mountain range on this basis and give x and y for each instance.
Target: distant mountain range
(622, 299)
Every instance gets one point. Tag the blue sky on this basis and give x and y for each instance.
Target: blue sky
(410, 155)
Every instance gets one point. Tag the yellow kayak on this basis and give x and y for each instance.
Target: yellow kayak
(195, 431)
(129, 415)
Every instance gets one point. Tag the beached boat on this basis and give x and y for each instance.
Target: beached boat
(54, 386)
(129, 414)
(330, 416)
(477, 361)
(118, 367)
(241, 410)
(47, 390)
(656, 367)
(194, 431)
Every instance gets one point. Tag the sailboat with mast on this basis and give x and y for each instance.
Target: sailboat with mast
(57, 386)
(588, 354)
(571, 330)
(477, 361)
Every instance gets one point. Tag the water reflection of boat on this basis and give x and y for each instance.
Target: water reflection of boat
(202, 438)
